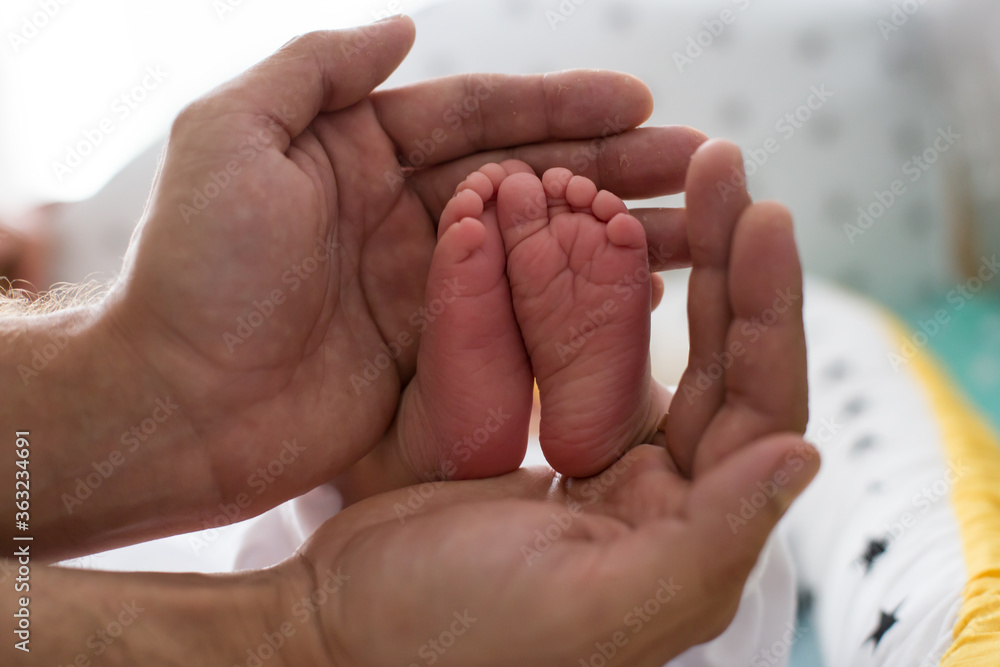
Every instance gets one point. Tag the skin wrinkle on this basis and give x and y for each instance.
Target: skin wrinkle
(330, 647)
(241, 440)
(559, 152)
(549, 105)
(355, 273)
(479, 127)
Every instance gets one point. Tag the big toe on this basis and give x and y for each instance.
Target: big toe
(522, 208)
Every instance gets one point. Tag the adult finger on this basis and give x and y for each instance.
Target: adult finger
(317, 72)
(471, 113)
(712, 214)
(695, 565)
(666, 237)
(637, 164)
(766, 339)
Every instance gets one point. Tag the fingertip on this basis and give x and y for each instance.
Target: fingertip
(765, 258)
(770, 214)
(697, 136)
(393, 17)
(402, 22)
(768, 475)
(716, 196)
(718, 146)
(693, 139)
(724, 161)
(657, 289)
(768, 221)
(306, 74)
(666, 237)
(736, 502)
(643, 103)
(802, 462)
(794, 468)
(627, 98)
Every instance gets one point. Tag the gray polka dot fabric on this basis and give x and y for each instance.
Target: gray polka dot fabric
(750, 70)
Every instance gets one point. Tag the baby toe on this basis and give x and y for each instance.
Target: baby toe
(606, 206)
(555, 181)
(495, 173)
(466, 204)
(580, 193)
(479, 183)
(625, 231)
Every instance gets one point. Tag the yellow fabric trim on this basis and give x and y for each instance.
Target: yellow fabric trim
(969, 443)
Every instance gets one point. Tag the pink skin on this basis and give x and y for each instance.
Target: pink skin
(522, 261)
(579, 276)
(575, 256)
(466, 413)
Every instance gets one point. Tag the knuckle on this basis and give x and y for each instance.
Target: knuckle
(190, 115)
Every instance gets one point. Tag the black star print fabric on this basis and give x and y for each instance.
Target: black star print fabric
(877, 537)
(886, 621)
(875, 549)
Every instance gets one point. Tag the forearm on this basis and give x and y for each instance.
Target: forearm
(79, 617)
(107, 461)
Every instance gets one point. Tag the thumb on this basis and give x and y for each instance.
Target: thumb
(708, 556)
(735, 505)
(317, 72)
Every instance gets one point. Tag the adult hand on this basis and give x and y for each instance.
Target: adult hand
(630, 567)
(274, 286)
(638, 563)
(746, 375)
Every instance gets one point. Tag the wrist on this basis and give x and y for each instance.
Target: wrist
(108, 460)
(168, 619)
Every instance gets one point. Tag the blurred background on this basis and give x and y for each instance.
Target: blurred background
(876, 121)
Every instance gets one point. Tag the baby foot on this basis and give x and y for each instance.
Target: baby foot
(579, 276)
(466, 412)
